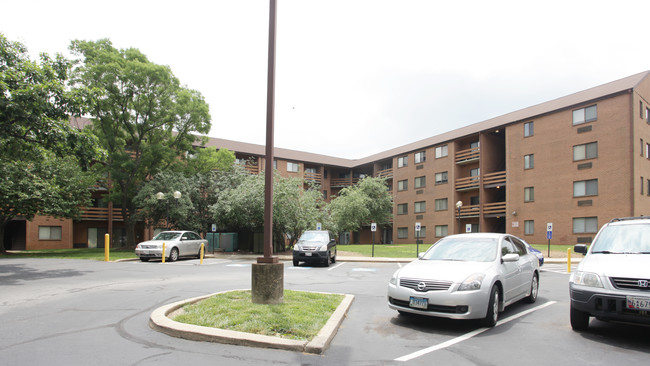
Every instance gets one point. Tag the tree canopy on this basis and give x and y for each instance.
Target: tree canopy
(361, 204)
(144, 118)
(44, 161)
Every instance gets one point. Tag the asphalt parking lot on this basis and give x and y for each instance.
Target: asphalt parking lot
(76, 312)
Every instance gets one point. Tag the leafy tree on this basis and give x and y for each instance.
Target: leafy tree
(240, 206)
(296, 209)
(208, 159)
(143, 117)
(358, 205)
(43, 160)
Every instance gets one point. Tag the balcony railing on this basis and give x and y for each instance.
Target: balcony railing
(313, 177)
(343, 182)
(100, 213)
(386, 173)
(494, 209)
(467, 156)
(252, 169)
(468, 183)
(494, 179)
(468, 211)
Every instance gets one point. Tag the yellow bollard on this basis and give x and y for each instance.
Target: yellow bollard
(163, 253)
(202, 251)
(107, 247)
(568, 260)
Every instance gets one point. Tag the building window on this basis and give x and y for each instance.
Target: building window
(529, 227)
(402, 208)
(420, 157)
(585, 115)
(441, 178)
(529, 161)
(648, 190)
(292, 167)
(402, 233)
(642, 181)
(585, 151)
(441, 151)
(420, 206)
(402, 161)
(528, 129)
(585, 188)
(49, 233)
(441, 230)
(325, 194)
(647, 115)
(442, 204)
(529, 194)
(647, 150)
(402, 185)
(420, 182)
(422, 233)
(474, 172)
(641, 147)
(583, 225)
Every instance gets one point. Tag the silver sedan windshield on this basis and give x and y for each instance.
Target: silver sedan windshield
(463, 249)
(166, 235)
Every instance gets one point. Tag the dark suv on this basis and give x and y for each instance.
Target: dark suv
(612, 282)
(315, 246)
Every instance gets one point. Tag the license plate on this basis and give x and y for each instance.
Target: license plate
(418, 302)
(308, 254)
(639, 303)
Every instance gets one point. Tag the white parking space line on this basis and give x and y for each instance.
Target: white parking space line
(469, 335)
(336, 266)
(557, 268)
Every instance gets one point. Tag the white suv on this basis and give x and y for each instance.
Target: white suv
(612, 282)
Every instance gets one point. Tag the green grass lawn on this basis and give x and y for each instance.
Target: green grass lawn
(300, 317)
(84, 253)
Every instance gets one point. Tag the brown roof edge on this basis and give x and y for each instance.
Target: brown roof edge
(564, 102)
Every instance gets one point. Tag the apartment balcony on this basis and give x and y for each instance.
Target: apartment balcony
(469, 183)
(252, 169)
(494, 180)
(386, 173)
(495, 209)
(468, 212)
(100, 214)
(343, 182)
(313, 177)
(468, 156)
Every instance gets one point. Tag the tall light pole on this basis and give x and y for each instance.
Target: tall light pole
(267, 280)
(161, 196)
(459, 204)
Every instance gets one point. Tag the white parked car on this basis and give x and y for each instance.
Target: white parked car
(177, 244)
(466, 276)
(612, 282)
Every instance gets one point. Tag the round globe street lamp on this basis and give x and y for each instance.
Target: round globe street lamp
(459, 204)
(161, 196)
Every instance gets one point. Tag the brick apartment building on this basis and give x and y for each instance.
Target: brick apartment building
(576, 162)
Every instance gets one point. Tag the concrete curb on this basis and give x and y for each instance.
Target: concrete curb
(160, 321)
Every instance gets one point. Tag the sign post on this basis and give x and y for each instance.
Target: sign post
(549, 235)
(418, 226)
(373, 228)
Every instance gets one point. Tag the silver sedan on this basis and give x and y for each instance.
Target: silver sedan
(177, 244)
(466, 276)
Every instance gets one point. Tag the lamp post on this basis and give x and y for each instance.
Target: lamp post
(161, 196)
(459, 204)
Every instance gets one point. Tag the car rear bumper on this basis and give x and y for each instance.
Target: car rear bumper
(605, 305)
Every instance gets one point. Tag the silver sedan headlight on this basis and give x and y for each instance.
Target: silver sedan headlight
(472, 282)
(393, 279)
(589, 279)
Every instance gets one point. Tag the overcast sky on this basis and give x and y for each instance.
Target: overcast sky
(356, 77)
